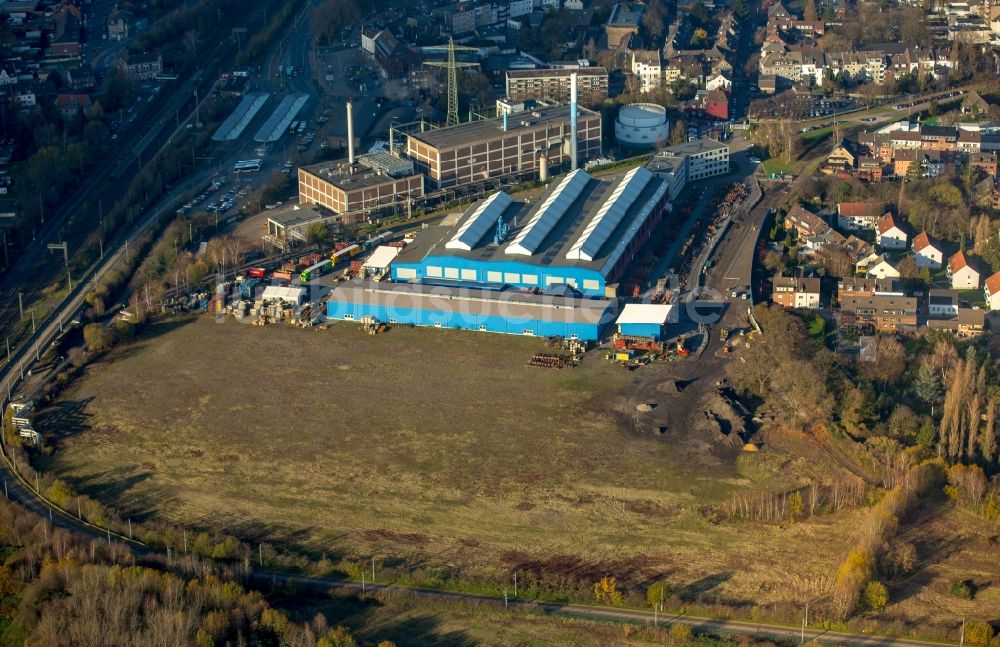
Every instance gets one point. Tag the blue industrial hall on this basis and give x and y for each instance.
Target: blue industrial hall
(515, 312)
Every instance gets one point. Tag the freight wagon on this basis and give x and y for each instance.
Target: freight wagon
(346, 253)
(317, 270)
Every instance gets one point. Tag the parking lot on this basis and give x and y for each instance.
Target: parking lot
(796, 106)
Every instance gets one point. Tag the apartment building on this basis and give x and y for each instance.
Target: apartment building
(647, 68)
(554, 84)
(883, 313)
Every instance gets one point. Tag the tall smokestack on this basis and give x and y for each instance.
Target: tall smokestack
(350, 132)
(572, 120)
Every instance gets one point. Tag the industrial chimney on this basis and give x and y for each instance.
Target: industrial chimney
(543, 168)
(572, 120)
(350, 131)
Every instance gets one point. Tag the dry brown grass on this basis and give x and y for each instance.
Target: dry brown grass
(438, 448)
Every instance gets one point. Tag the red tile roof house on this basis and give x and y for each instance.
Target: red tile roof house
(889, 235)
(858, 215)
(992, 290)
(963, 276)
(68, 104)
(927, 252)
(805, 223)
(717, 105)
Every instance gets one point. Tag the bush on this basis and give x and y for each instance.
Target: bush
(657, 592)
(98, 337)
(978, 632)
(961, 589)
(876, 596)
(606, 592)
(681, 632)
(60, 493)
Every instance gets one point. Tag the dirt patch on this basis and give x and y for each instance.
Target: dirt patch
(384, 534)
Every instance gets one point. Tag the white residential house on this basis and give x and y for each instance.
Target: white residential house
(647, 69)
(942, 303)
(963, 276)
(889, 235)
(796, 292)
(992, 290)
(881, 267)
(927, 252)
(858, 215)
(718, 81)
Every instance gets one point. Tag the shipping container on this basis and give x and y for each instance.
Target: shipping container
(345, 253)
(256, 272)
(317, 270)
(283, 275)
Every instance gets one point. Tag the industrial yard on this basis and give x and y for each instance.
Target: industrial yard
(355, 445)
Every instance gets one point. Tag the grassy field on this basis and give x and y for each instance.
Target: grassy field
(412, 623)
(439, 452)
(775, 165)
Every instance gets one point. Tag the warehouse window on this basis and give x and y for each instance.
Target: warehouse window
(404, 273)
(433, 272)
(529, 279)
(469, 275)
(494, 277)
(451, 272)
(511, 277)
(549, 280)
(591, 284)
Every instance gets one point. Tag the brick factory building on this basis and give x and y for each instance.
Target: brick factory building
(355, 189)
(513, 144)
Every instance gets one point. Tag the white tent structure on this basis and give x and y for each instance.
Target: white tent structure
(379, 261)
(286, 294)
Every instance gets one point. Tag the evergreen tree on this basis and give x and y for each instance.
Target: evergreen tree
(927, 384)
